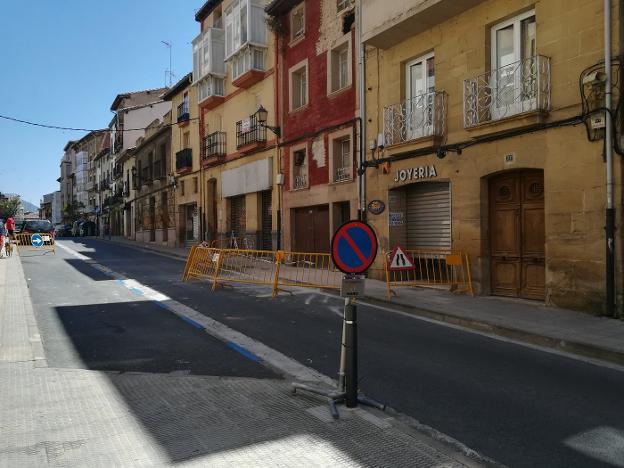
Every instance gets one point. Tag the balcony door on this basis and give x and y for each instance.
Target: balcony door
(419, 97)
(514, 66)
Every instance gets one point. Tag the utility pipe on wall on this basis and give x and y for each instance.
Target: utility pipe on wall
(610, 211)
(362, 102)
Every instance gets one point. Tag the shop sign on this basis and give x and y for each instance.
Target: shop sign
(415, 173)
(376, 207)
(396, 219)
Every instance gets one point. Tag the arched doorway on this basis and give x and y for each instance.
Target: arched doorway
(517, 234)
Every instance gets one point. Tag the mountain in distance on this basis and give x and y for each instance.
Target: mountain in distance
(29, 206)
(26, 205)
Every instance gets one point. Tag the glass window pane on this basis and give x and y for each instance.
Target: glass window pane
(505, 53)
(416, 82)
(528, 38)
(430, 75)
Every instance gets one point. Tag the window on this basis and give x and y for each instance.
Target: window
(339, 66)
(419, 97)
(297, 22)
(343, 4)
(343, 162)
(300, 170)
(182, 187)
(513, 59)
(251, 58)
(208, 54)
(195, 185)
(244, 22)
(299, 85)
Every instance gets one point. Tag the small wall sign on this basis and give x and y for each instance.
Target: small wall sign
(415, 173)
(396, 219)
(376, 207)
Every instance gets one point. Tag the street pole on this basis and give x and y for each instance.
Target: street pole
(351, 391)
(610, 211)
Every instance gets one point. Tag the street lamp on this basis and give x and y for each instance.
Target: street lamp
(261, 115)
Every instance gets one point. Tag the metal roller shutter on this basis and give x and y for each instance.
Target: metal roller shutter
(429, 216)
(237, 216)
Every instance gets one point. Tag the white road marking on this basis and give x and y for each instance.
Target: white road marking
(280, 362)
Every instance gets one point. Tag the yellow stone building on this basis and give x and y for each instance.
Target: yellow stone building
(471, 108)
(234, 78)
(185, 161)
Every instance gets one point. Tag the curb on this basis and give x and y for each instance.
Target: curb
(145, 248)
(568, 346)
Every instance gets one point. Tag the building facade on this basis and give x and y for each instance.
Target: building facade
(469, 106)
(153, 202)
(234, 76)
(185, 162)
(133, 112)
(318, 109)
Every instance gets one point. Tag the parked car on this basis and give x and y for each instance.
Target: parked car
(63, 230)
(37, 225)
(87, 228)
(18, 226)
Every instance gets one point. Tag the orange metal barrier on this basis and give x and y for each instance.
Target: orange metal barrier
(263, 267)
(432, 269)
(310, 270)
(24, 243)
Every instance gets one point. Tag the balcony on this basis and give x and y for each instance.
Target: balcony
(250, 135)
(183, 112)
(519, 88)
(159, 170)
(146, 176)
(300, 181)
(385, 24)
(117, 171)
(420, 117)
(342, 174)
(248, 66)
(184, 160)
(214, 148)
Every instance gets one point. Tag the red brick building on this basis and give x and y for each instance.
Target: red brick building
(317, 102)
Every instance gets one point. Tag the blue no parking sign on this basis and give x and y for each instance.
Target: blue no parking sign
(354, 247)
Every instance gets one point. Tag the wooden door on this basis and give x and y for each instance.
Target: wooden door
(311, 226)
(517, 234)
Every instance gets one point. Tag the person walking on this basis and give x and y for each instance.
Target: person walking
(2, 234)
(10, 227)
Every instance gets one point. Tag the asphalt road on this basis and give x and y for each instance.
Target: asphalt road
(520, 406)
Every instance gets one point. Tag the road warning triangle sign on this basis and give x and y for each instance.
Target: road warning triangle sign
(400, 260)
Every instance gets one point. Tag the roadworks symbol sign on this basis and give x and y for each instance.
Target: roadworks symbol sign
(400, 260)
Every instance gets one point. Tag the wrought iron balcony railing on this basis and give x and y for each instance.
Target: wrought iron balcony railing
(418, 117)
(520, 87)
(183, 112)
(342, 173)
(249, 131)
(215, 145)
(184, 159)
(300, 181)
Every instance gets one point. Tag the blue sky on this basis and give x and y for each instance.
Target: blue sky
(64, 61)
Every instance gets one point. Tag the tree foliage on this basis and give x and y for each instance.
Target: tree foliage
(9, 206)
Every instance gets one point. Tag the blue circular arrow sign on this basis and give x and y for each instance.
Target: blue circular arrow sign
(36, 240)
(354, 247)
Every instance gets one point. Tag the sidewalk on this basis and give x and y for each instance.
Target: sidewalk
(527, 321)
(80, 417)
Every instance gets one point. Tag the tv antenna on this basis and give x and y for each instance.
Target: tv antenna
(169, 72)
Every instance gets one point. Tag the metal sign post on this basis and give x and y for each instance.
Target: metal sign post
(354, 248)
